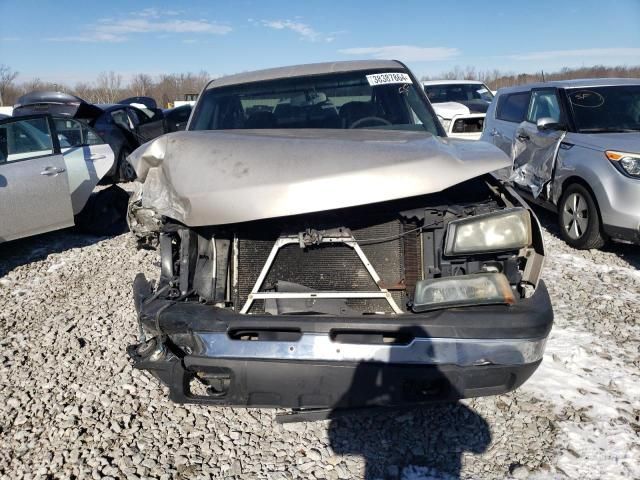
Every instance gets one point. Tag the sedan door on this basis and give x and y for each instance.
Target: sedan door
(535, 149)
(86, 156)
(34, 190)
(147, 128)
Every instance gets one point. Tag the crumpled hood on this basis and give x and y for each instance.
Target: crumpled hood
(450, 109)
(623, 142)
(219, 177)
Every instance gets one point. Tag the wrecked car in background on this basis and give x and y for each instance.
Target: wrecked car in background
(124, 125)
(324, 246)
(575, 146)
(460, 105)
(176, 118)
(49, 166)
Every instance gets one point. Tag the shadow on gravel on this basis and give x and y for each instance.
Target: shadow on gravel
(32, 249)
(104, 215)
(424, 443)
(413, 442)
(628, 253)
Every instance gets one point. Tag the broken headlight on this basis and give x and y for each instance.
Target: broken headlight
(629, 163)
(463, 290)
(492, 232)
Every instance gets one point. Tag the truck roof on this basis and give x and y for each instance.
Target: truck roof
(452, 82)
(303, 70)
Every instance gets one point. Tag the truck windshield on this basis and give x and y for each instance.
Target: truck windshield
(458, 92)
(362, 99)
(606, 109)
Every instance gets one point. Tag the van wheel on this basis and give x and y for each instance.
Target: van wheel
(579, 219)
(105, 213)
(126, 172)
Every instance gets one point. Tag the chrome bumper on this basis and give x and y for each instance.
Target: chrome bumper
(423, 351)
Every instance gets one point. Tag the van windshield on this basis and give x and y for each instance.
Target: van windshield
(606, 109)
(362, 99)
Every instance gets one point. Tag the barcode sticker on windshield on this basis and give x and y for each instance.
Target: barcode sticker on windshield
(387, 78)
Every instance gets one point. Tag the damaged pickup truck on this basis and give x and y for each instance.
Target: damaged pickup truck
(324, 245)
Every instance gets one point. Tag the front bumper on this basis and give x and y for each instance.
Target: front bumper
(209, 355)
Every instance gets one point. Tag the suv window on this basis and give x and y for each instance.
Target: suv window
(544, 104)
(24, 139)
(72, 133)
(512, 107)
(614, 108)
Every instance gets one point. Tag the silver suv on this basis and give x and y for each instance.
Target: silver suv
(575, 147)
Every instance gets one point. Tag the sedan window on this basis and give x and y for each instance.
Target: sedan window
(72, 133)
(23, 139)
(121, 119)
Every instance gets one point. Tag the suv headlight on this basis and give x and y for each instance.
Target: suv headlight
(492, 232)
(629, 163)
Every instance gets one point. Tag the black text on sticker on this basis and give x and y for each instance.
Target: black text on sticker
(387, 78)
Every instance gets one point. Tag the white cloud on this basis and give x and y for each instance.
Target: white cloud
(410, 53)
(304, 30)
(149, 21)
(155, 13)
(167, 26)
(89, 38)
(587, 53)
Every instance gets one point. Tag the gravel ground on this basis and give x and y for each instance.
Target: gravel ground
(71, 406)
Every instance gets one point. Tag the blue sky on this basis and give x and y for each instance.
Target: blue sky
(70, 41)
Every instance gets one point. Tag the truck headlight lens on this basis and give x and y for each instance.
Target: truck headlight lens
(493, 232)
(445, 123)
(628, 162)
(463, 290)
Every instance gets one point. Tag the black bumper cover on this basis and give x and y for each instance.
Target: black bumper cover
(305, 384)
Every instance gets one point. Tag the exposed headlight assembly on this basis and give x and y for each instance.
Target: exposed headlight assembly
(463, 290)
(492, 232)
(629, 163)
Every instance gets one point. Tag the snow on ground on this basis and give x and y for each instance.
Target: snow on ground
(594, 381)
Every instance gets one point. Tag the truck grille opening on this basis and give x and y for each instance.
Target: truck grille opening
(468, 125)
(333, 267)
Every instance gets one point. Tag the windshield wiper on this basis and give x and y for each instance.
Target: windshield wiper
(609, 130)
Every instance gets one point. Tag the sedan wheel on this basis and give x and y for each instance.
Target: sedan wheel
(579, 218)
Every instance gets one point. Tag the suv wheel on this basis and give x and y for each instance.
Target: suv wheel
(579, 218)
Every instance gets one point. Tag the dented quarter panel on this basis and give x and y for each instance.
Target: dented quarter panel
(220, 177)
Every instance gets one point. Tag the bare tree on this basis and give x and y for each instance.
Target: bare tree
(7, 76)
(108, 87)
(141, 85)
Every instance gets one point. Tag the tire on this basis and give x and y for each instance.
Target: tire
(126, 172)
(579, 218)
(105, 213)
